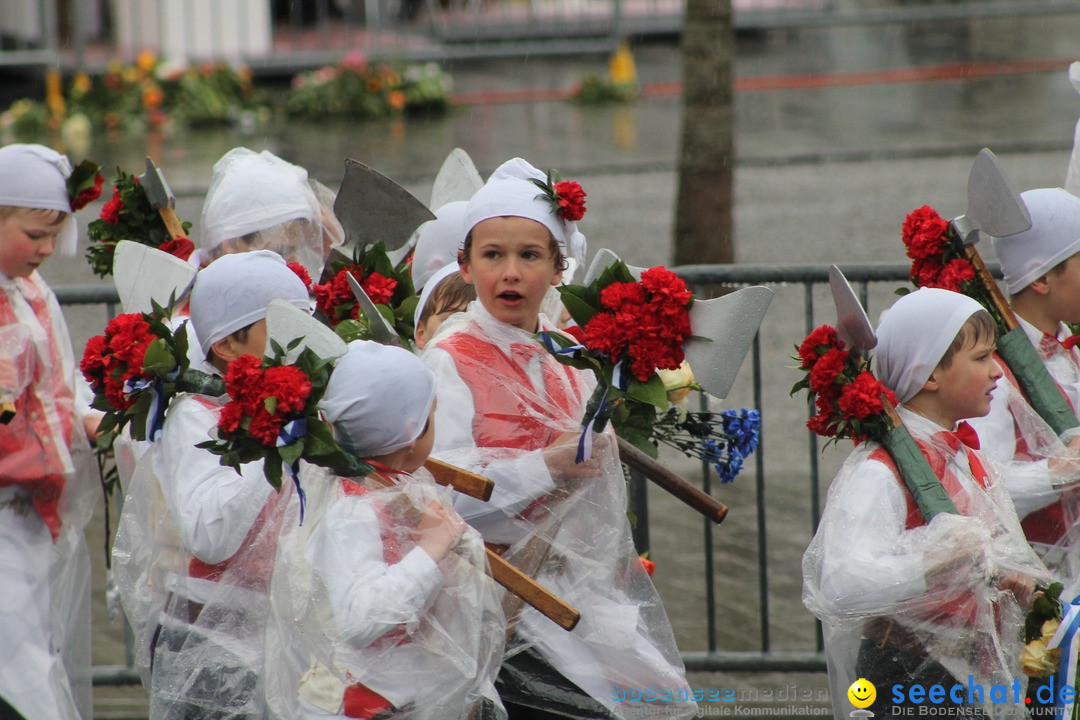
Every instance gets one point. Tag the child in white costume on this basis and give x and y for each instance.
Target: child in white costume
(1042, 276)
(44, 505)
(257, 201)
(509, 410)
(196, 540)
(905, 601)
(382, 603)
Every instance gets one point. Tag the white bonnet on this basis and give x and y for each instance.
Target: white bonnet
(914, 334)
(433, 282)
(509, 192)
(378, 398)
(35, 177)
(438, 242)
(233, 292)
(253, 192)
(1054, 236)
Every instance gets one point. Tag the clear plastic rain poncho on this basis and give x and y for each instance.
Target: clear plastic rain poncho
(365, 620)
(508, 410)
(875, 569)
(377, 608)
(193, 555)
(46, 495)
(257, 201)
(1041, 475)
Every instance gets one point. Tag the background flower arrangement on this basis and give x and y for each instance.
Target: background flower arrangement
(356, 90)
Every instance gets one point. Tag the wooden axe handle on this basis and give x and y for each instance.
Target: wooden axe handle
(465, 482)
(678, 486)
(532, 592)
(172, 223)
(7, 412)
(991, 286)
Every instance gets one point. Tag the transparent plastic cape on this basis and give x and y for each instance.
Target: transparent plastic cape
(510, 411)
(943, 590)
(199, 627)
(1042, 477)
(362, 616)
(47, 496)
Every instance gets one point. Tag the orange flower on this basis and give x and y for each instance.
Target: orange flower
(152, 96)
(396, 100)
(146, 61)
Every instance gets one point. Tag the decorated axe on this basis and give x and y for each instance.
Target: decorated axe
(144, 275)
(372, 208)
(161, 198)
(457, 179)
(381, 330)
(853, 328)
(996, 209)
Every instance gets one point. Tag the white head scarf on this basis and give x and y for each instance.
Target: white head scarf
(438, 242)
(255, 193)
(910, 344)
(433, 282)
(233, 292)
(378, 398)
(1054, 236)
(35, 177)
(509, 193)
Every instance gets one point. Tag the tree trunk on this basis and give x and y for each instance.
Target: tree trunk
(704, 227)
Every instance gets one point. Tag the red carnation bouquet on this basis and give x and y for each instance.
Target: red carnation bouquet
(134, 369)
(627, 331)
(389, 287)
(128, 215)
(272, 415)
(848, 400)
(938, 259)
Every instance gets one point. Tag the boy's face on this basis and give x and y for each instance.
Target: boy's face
(426, 330)
(27, 239)
(1064, 291)
(965, 387)
(511, 266)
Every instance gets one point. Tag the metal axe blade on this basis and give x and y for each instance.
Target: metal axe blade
(286, 322)
(852, 325)
(374, 209)
(458, 179)
(157, 190)
(381, 331)
(994, 206)
(144, 275)
(601, 261)
(724, 329)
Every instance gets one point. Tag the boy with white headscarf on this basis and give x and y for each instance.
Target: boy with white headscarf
(196, 540)
(905, 602)
(44, 506)
(382, 603)
(507, 409)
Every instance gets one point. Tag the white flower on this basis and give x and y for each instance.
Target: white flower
(678, 383)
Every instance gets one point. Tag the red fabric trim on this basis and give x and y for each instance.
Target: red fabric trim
(363, 702)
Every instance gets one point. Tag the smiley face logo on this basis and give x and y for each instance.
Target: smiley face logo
(862, 693)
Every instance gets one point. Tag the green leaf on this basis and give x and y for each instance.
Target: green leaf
(272, 470)
(652, 392)
(159, 360)
(293, 452)
(578, 307)
(270, 404)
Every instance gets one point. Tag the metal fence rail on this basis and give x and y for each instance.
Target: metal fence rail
(807, 278)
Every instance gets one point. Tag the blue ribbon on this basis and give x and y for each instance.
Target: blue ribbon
(574, 351)
(155, 417)
(584, 446)
(290, 433)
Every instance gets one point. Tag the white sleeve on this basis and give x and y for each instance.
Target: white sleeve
(866, 568)
(214, 506)
(369, 596)
(519, 477)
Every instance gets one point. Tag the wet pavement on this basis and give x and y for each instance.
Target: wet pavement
(840, 133)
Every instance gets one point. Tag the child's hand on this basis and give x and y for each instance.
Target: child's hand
(91, 421)
(439, 529)
(560, 458)
(1021, 586)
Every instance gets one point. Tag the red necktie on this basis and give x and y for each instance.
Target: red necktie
(1070, 342)
(967, 435)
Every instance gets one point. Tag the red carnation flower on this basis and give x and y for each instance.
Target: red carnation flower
(924, 221)
(265, 427)
(955, 273)
(302, 273)
(289, 386)
(181, 247)
(666, 288)
(604, 335)
(93, 361)
(615, 295)
(571, 200)
(111, 212)
(88, 195)
(862, 397)
(576, 332)
(379, 288)
(823, 335)
(827, 368)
